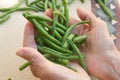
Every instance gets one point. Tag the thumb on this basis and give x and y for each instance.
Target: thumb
(30, 54)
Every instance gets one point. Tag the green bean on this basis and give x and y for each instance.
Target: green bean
(59, 54)
(66, 12)
(49, 4)
(18, 9)
(50, 27)
(56, 47)
(70, 1)
(46, 5)
(58, 36)
(104, 1)
(55, 17)
(46, 19)
(70, 37)
(105, 9)
(63, 61)
(39, 5)
(40, 30)
(13, 7)
(80, 56)
(24, 66)
(33, 2)
(83, 1)
(80, 39)
(69, 30)
(39, 40)
(58, 13)
(27, 8)
(2, 20)
(61, 21)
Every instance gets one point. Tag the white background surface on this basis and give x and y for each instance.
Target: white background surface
(11, 35)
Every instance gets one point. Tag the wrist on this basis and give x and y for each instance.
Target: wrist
(113, 66)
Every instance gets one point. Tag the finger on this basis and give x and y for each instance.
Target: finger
(118, 39)
(48, 13)
(79, 30)
(28, 40)
(84, 15)
(30, 54)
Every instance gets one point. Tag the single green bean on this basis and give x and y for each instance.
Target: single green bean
(24, 66)
(104, 1)
(46, 5)
(40, 6)
(80, 56)
(55, 17)
(13, 7)
(69, 30)
(80, 39)
(83, 1)
(40, 30)
(59, 54)
(50, 27)
(2, 20)
(61, 21)
(27, 8)
(33, 2)
(18, 9)
(58, 36)
(63, 61)
(46, 19)
(56, 47)
(105, 9)
(66, 12)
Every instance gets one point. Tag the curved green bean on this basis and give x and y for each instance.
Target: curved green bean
(69, 30)
(80, 56)
(80, 39)
(13, 7)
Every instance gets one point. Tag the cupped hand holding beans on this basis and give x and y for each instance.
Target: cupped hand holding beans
(101, 55)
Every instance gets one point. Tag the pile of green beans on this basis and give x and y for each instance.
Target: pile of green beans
(55, 40)
(30, 5)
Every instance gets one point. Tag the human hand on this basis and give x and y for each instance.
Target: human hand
(101, 56)
(43, 68)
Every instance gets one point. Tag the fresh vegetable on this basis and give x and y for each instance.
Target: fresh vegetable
(105, 9)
